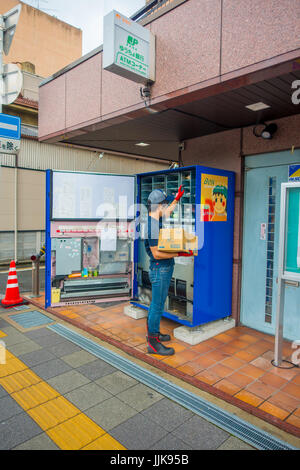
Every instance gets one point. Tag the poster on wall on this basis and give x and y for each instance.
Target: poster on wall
(214, 193)
(294, 173)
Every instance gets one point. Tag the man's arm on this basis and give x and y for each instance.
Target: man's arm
(167, 255)
(162, 254)
(168, 211)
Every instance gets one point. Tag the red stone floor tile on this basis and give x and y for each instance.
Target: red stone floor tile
(259, 348)
(107, 325)
(135, 341)
(274, 380)
(261, 363)
(66, 310)
(139, 329)
(294, 420)
(213, 343)
(238, 344)
(269, 355)
(190, 368)
(115, 330)
(205, 361)
(73, 315)
(297, 412)
(274, 410)
(208, 377)
(124, 336)
(237, 331)
(248, 338)
(188, 354)
(245, 355)
(227, 387)
(252, 371)
(220, 370)
(228, 349)
(101, 320)
(99, 328)
(203, 347)
(284, 401)
(233, 362)
(93, 317)
(296, 379)
(249, 398)
(286, 374)
(179, 347)
(292, 389)
(223, 338)
(175, 361)
(239, 379)
(261, 390)
(82, 314)
(217, 355)
(143, 348)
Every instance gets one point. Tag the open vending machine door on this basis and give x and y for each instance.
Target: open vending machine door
(90, 232)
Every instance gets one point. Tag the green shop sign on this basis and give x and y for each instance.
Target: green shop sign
(128, 48)
(129, 57)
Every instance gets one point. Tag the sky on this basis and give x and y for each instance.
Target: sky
(86, 15)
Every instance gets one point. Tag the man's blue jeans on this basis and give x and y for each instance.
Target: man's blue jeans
(160, 277)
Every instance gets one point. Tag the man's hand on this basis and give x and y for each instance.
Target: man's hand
(184, 253)
(179, 194)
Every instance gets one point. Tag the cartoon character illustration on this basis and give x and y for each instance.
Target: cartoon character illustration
(219, 198)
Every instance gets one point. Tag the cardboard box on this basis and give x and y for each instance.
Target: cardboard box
(176, 239)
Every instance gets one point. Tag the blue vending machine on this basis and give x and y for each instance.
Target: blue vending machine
(95, 230)
(201, 288)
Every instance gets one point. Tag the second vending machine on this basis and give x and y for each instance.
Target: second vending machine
(95, 230)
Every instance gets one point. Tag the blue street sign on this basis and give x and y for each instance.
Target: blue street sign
(294, 173)
(10, 127)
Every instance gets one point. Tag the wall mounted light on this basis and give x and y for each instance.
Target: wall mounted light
(267, 132)
(142, 144)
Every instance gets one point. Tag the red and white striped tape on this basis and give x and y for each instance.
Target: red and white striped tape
(12, 278)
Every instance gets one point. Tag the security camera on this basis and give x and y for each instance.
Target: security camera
(145, 92)
(101, 155)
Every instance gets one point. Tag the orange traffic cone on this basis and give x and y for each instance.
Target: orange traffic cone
(12, 297)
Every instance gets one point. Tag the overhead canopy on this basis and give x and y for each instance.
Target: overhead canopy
(207, 72)
(164, 130)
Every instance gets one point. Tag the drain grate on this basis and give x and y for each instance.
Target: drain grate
(229, 422)
(22, 307)
(30, 319)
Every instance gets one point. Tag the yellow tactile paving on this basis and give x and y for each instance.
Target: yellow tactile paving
(16, 382)
(2, 334)
(53, 413)
(75, 433)
(34, 395)
(12, 366)
(65, 424)
(105, 442)
(9, 355)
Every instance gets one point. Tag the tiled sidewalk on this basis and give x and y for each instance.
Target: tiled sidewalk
(55, 395)
(235, 366)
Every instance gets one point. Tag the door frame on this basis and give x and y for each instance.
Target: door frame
(263, 160)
